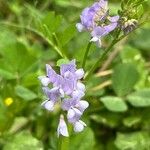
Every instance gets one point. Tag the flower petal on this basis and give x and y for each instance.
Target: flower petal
(114, 18)
(51, 74)
(70, 113)
(49, 105)
(79, 126)
(80, 86)
(62, 127)
(79, 73)
(82, 105)
(53, 94)
(44, 80)
(77, 94)
(80, 27)
(71, 67)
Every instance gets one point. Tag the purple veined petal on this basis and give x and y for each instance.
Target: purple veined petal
(77, 94)
(82, 105)
(80, 27)
(68, 86)
(62, 127)
(59, 81)
(66, 104)
(51, 74)
(79, 73)
(53, 94)
(103, 31)
(97, 33)
(44, 80)
(71, 67)
(79, 126)
(49, 105)
(87, 18)
(110, 27)
(113, 19)
(101, 10)
(80, 86)
(103, 4)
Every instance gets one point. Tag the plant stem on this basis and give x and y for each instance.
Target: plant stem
(100, 59)
(60, 143)
(86, 54)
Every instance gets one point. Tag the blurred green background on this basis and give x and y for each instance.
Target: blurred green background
(119, 92)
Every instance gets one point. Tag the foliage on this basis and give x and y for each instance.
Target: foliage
(34, 33)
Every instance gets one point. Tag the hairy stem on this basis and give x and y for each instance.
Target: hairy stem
(100, 59)
(86, 54)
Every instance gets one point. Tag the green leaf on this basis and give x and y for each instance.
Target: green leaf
(124, 78)
(25, 93)
(133, 141)
(132, 55)
(140, 11)
(23, 141)
(14, 62)
(111, 120)
(140, 98)
(87, 139)
(62, 61)
(131, 121)
(142, 39)
(115, 104)
(7, 75)
(67, 35)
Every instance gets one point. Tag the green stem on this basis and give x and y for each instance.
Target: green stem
(86, 54)
(60, 142)
(100, 59)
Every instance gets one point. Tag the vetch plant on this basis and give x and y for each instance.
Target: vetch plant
(95, 93)
(66, 86)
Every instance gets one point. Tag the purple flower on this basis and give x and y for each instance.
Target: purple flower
(62, 127)
(94, 18)
(68, 90)
(92, 15)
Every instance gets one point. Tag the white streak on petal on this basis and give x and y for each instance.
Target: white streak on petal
(49, 105)
(62, 93)
(79, 73)
(82, 122)
(44, 80)
(80, 27)
(99, 43)
(62, 127)
(94, 39)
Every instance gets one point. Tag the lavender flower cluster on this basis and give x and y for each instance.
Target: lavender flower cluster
(67, 90)
(96, 20)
